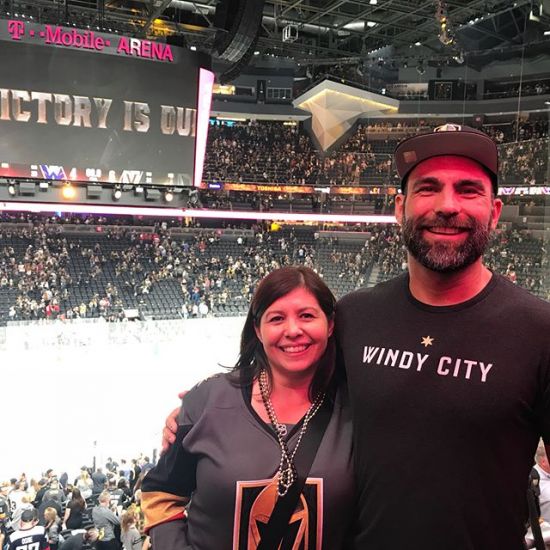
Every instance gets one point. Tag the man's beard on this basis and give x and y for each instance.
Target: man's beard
(446, 256)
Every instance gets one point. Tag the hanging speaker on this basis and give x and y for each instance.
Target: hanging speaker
(176, 40)
(238, 23)
(235, 70)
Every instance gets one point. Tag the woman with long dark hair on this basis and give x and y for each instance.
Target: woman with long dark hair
(239, 433)
(73, 518)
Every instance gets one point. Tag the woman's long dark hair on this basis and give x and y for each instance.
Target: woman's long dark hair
(77, 498)
(279, 283)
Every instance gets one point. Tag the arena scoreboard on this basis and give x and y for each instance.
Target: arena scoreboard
(87, 106)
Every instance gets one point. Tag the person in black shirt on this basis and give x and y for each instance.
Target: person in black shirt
(73, 518)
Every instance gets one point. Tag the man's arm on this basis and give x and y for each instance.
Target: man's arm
(113, 517)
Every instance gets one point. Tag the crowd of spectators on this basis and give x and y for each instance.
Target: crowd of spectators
(36, 265)
(382, 249)
(46, 269)
(499, 90)
(365, 77)
(511, 254)
(410, 95)
(271, 152)
(525, 163)
(100, 508)
(48, 274)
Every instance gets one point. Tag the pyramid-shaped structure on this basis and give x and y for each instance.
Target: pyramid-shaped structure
(335, 107)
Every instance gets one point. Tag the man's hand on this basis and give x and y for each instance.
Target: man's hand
(171, 427)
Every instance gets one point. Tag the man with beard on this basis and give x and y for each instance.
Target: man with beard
(448, 366)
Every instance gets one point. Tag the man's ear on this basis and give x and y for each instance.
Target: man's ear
(399, 207)
(496, 210)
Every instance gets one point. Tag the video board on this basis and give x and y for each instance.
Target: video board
(89, 106)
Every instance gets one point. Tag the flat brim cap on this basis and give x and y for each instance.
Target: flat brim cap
(449, 139)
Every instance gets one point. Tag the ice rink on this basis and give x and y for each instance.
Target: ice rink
(74, 391)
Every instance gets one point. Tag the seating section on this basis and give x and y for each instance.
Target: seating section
(116, 273)
(271, 152)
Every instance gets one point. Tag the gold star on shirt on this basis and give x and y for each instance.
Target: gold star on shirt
(427, 341)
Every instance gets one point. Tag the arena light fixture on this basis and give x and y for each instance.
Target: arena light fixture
(117, 193)
(11, 189)
(188, 213)
(169, 196)
(68, 192)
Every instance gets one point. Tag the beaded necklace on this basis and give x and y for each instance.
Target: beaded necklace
(286, 474)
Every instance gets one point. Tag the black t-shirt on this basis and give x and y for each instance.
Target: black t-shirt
(448, 404)
(75, 518)
(47, 504)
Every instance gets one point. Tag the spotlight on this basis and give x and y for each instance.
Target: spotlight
(11, 189)
(69, 192)
(168, 196)
(117, 193)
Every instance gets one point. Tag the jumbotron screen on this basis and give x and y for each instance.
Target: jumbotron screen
(88, 106)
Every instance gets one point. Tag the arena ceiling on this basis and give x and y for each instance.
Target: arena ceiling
(328, 31)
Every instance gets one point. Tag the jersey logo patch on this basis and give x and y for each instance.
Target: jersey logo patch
(254, 503)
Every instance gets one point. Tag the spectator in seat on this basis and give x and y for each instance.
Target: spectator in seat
(74, 511)
(33, 534)
(52, 527)
(107, 523)
(83, 540)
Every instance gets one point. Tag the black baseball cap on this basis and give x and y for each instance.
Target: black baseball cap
(449, 139)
